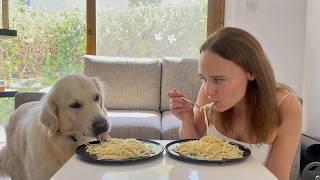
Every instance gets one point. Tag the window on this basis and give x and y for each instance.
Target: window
(151, 28)
(52, 36)
(145, 29)
(50, 43)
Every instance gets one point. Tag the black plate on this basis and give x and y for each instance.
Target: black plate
(172, 153)
(82, 154)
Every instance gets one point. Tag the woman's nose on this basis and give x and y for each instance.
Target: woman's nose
(210, 89)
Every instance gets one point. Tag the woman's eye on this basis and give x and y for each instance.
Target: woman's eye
(96, 98)
(217, 81)
(75, 105)
(202, 78)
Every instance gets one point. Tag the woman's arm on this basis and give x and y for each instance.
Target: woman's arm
(285, 145)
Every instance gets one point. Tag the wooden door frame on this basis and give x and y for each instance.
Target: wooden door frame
(216, 9)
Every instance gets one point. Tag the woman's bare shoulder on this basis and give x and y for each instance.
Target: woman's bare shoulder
(290, 108)
(284, 95)
(287, 135)
(290, 111)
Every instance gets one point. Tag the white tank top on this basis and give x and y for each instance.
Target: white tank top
(260, 152)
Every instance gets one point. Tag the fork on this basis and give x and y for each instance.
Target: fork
(193, 103)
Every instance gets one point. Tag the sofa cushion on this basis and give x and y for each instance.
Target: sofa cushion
(170, 126)
(181, 74)
(131, 83)
(134, 124)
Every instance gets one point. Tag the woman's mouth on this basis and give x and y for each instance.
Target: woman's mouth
(214, 102)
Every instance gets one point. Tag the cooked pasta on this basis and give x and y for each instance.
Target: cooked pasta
(119, 149)
(209, 148)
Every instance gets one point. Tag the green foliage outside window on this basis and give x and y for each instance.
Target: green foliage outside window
(51, 43)
(152, 30)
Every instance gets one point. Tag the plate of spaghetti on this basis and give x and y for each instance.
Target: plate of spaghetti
(208, 149)
(119, 151)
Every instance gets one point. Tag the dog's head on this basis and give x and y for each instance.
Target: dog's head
(75, 106)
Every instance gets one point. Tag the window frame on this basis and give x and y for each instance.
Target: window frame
(215, 20)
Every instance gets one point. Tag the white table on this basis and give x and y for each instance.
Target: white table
(163, 168)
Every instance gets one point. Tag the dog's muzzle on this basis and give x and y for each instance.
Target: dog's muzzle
(99, 125)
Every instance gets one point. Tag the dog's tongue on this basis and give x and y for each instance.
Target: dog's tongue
(103, 136)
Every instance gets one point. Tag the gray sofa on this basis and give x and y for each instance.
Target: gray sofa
(136, 94)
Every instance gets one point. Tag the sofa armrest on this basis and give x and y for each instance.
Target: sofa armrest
(24, 97)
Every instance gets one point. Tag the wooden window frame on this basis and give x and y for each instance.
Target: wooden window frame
(5, 14)
(5, 32)
(215, 21)
(91, 27)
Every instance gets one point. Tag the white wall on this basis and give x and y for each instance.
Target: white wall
(279, 25)
(311, 87)
(289, 30)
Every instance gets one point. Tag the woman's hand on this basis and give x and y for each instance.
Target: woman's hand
(181, 108)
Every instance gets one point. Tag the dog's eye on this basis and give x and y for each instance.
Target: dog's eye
(76, 105)
(96, 98)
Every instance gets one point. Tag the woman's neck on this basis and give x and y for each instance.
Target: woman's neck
(239, 110)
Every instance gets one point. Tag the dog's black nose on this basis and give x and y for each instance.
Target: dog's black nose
(100, 125)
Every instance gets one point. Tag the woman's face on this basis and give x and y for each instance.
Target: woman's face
(224, 82)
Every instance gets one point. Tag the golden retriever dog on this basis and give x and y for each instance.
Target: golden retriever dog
(42, 136)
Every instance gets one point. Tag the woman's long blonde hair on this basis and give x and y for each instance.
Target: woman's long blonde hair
(243, 49)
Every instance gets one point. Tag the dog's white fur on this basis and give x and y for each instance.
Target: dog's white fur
(38, 133)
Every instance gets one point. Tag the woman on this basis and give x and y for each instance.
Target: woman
(242, 102)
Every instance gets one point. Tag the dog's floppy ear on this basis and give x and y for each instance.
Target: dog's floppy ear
(48, 116)
(99, 86)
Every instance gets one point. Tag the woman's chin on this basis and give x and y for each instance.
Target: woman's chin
(218, 108)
